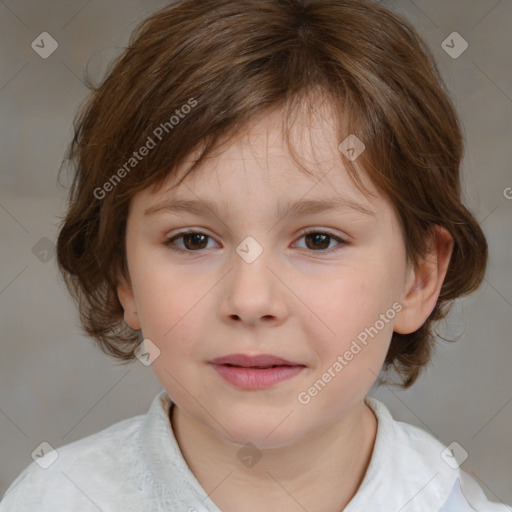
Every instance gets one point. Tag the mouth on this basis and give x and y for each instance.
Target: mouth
(255, 372)
(257, 361)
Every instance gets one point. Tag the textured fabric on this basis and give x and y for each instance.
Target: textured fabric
(458, 499)
(136, 465)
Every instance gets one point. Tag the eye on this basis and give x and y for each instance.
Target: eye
(195, 241)
(319, 241)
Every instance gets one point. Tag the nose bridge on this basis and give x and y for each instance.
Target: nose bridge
(253, 288)
(250, 250)
(250, 266)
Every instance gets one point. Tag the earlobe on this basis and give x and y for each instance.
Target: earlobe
(425, 282)
(127, 300)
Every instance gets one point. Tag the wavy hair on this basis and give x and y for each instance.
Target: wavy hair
(237, 60)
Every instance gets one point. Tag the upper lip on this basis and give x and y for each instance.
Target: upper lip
(261, 360)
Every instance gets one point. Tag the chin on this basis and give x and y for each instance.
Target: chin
(263, 433)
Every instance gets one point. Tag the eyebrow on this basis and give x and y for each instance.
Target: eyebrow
(301, 207)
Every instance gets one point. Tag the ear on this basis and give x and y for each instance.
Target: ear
(127, 300)
(424, 284)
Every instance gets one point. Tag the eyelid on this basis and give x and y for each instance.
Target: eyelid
(342, 241)
(326, 231)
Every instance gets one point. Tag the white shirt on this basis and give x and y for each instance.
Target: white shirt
(136, 466)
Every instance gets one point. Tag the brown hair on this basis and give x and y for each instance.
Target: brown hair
(231, 62)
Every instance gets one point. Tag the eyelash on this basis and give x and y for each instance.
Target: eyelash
(169, 243)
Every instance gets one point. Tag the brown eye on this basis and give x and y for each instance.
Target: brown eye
(192, 242)
(319, 241)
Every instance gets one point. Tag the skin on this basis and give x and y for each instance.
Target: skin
(295, 301)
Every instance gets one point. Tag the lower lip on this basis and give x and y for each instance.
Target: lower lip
(253, 378)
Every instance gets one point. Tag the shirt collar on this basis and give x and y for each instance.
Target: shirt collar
(406, 472)
(172, 479)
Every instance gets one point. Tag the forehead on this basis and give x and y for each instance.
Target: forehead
(258, 158)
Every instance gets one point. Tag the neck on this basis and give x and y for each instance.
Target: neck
(320, 473)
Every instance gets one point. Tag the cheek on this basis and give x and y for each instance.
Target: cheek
(354, 301)
(359, 309)
(168, 297)
(172, 325)
(173, 303)
(349, 361)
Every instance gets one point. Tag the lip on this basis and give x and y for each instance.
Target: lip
(260, 360)
(255, 372)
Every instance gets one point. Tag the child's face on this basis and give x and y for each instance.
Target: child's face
(298, 300)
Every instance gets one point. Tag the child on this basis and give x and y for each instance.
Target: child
(267, 210)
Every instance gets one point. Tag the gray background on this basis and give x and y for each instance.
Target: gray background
(55, 386)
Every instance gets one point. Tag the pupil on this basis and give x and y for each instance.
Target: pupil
(319, 237)
(194, 237)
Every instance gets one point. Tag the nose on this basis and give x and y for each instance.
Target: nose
(253, 292)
